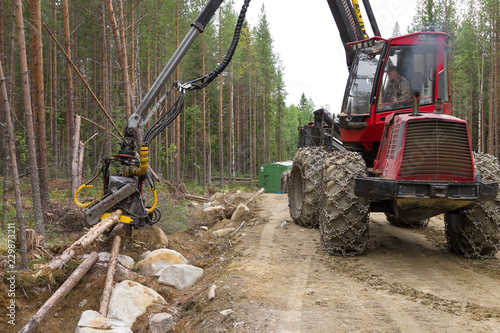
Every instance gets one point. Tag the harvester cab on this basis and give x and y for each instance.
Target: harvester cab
(384, 77)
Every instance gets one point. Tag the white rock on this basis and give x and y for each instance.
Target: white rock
(223, 232)
(104, 256)
(211, 208)
(180, 276)
(130, 299)
(161, 238)
(226, 312)
(125, 260)
(92, 322)
(239, 212)
(211, 292)
(161, 322)
(204, 227)
(158, 260)
(82, 303)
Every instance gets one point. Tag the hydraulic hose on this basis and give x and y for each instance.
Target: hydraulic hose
(78, 203)
(155, 201)
(205, 80)
(143, 163)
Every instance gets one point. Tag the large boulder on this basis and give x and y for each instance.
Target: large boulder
(158, 260)
(239, 212)
(125, 260)
(92, 322)
(180, 276)
(130, 300)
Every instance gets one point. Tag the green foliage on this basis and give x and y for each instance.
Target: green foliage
(174, 214)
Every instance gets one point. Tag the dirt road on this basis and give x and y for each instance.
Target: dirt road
(281, 281)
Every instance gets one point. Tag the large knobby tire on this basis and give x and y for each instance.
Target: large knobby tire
(344, 224)
(304, 186)
(393, 220)
(475, 231)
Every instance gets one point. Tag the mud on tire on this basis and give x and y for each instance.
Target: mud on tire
(343, 216)
(475, 231)
(393, 220)
(304, 186)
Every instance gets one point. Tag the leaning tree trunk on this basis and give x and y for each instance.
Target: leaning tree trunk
(25, 83)
(15, 175)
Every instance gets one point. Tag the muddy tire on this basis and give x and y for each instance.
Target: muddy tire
(475, 231)
(285, 180)
(304, 186)
(344, 226)
(393, 220)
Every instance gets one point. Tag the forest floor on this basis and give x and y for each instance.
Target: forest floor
(274, 277)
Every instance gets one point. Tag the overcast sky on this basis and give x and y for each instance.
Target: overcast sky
(308, 43)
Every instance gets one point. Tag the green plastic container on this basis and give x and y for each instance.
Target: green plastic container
(270, 175)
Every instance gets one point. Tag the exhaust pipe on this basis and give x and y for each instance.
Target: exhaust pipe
(439, 106)
(416, 103)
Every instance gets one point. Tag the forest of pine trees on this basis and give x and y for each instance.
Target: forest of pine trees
(91, 62)
(118, 48)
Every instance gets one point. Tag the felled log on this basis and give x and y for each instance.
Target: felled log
(196, 198)
(259, 192)
(60, 293)
(113, 258)
(84, 241)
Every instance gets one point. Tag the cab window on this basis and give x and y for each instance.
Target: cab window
(362, 76)
(407, 70)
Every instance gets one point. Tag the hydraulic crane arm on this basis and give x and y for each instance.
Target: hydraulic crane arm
(347, 15)
(197, 27)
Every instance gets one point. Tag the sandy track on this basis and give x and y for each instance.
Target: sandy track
(407, 281)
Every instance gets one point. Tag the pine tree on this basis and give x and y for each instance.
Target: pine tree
(396, 32)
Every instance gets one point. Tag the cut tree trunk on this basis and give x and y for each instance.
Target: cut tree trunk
(259, 192)
(113, 258)
(83, 242)
(60, 293)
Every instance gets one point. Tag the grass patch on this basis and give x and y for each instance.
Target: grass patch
(174, 214)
